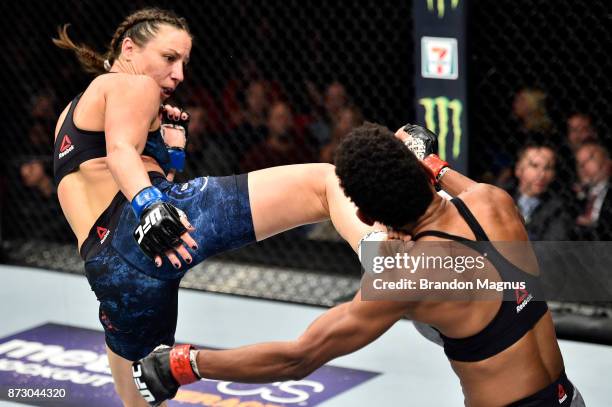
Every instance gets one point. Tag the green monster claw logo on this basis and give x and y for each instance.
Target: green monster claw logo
(441, 6)
(441, 105)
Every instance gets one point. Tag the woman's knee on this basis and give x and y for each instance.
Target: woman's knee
(324, 170)
(322, 176)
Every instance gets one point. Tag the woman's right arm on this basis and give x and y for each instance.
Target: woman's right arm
(131, 107)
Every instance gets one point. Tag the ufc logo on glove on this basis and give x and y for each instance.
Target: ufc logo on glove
(142, 387)
(152, 219)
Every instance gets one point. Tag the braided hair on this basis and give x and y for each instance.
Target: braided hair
(141, 26)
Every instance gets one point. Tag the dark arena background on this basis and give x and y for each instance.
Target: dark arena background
(529, 71)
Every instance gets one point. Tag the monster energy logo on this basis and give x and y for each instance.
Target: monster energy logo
(442, 105)
(441, 6)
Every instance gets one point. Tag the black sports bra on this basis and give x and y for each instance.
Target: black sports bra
(74, 146)
(513, 319)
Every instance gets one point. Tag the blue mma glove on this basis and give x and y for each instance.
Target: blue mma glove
(159, 228)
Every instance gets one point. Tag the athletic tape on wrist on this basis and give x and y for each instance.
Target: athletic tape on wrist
(441, 173)
(145, 198)
(193, 355)
(165, 126)
(177, 158)
(180, 365)
(373, 236)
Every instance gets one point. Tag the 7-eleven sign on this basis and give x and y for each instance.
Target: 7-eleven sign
(439, 58)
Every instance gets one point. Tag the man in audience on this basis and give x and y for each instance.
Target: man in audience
(544, 212)
(594, 168)
(580, 129)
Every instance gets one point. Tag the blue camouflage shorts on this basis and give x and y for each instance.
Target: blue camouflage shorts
(138, 301)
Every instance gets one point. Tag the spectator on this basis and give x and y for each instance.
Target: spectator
(252, 128)
(531, 124)
(580, 129)
(543, 211)
(34, 177)
(199, 96)
(348, 118)
(208, 151)
(248, 72)
(40, 141)
(35, 199)
(335, 99)
(594, 168)
(42, 125)
(43, 107)
(529, 108)
(256, 101)
(282, 146)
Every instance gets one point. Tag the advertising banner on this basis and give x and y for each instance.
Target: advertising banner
(441, 75)
(59, 365)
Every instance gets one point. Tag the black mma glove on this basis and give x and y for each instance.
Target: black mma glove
(424, 145)
(420, 141)
(159, 374)
(160, 227)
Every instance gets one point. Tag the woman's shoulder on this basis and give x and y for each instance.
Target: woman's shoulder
(124, 88)
(487, 194)
(123, 81)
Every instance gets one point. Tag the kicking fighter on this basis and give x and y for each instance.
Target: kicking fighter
(137, 231)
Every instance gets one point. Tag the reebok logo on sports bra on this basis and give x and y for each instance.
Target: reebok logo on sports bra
(561, 394)
(66, 147)
(102, 233)
(522, 299)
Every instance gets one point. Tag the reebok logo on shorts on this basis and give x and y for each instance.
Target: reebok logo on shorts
(66, 147)
(561, 394)
(522, 299)
(102, 233)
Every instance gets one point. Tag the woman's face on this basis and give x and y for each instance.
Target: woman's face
(164, 58)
